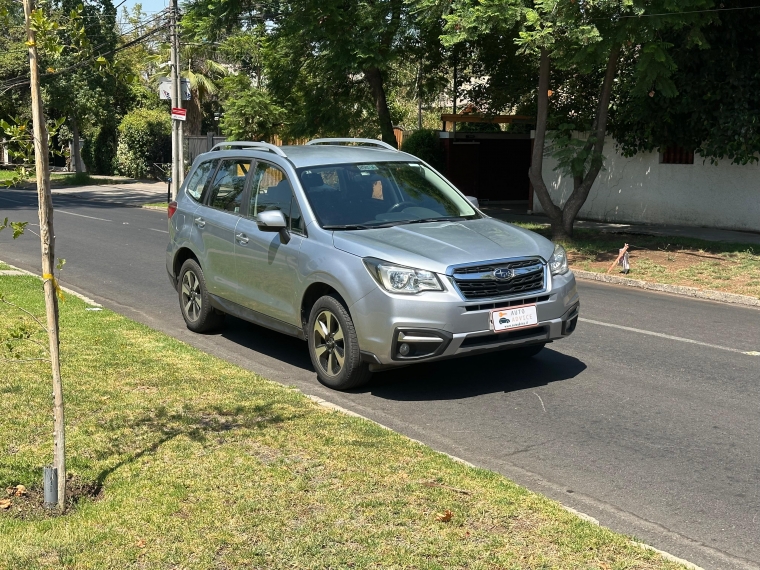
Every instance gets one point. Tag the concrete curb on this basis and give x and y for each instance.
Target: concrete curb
(707, 294)
(588, 518)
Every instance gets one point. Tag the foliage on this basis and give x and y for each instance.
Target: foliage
(580, 47)
(426, 145)
(717, 110)
(17, 227)
(20, 145)
(250, 113)
(144, 139)
(99, 151)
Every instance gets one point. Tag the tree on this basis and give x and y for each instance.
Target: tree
(717, 110)
(83, 95)
(329, 63)
(249, 112)
(577, 48)
(47, 243)
(42, 31)
(15, 105)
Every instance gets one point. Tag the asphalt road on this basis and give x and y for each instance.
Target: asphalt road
(647, 418)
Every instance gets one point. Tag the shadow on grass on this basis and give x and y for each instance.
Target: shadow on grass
(197, 425)
(474, 376)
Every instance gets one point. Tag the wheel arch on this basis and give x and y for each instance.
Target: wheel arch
(182, 255)
(310, 296)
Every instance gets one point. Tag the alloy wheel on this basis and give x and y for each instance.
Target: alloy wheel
(192, 301)
(329, 343)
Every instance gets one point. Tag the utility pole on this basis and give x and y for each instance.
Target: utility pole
(178, 170)
(47, 244)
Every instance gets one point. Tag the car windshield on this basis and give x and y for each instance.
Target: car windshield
(370, 195)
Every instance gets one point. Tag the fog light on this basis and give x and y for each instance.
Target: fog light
(403, 350)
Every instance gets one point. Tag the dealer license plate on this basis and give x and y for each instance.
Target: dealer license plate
(514, 318)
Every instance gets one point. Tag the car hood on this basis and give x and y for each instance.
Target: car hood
(435, 246)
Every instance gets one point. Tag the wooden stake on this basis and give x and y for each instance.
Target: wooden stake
(47, 244)
(620, 255)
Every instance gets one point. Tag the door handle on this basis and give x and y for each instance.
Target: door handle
(200, 222)
(242, 238)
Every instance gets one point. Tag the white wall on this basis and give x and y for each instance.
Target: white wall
(641, 190)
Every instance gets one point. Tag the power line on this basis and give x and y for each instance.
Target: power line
(19, 82)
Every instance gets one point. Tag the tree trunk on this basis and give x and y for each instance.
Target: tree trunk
(47, 244)
(375, 79)
(75, 150)
(194, 114)
(537, 160)
(582, 184)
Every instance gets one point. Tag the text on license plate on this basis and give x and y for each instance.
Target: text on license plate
(514, 318)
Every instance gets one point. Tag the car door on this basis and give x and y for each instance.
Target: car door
(215, 221)
(267, 268)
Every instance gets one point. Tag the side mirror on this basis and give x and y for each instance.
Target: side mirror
(274, 221)
(473, 200)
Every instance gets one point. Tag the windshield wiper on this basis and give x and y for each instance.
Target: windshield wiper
(362, 226)
(442, 219)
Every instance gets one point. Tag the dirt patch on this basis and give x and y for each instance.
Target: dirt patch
(733, 270)
(29, 503)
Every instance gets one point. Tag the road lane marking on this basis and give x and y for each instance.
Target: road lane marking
(155, 230)
(15, 201)
(81, 215)
(669, 337)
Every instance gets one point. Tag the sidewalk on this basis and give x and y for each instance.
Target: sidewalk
(134, 193)
(519, 214)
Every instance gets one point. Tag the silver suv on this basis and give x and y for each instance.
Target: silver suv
(365, 252)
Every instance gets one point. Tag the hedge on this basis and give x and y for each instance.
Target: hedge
(144, 139)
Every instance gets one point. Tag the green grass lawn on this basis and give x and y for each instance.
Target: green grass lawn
(730, 267)
(6, 176)
(4, 266)
(196, 463)
(157, 205)
(64, 178)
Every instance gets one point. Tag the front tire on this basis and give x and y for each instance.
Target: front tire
(195, 301)
(334, 346)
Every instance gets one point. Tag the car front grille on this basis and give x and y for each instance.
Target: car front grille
(479, 281)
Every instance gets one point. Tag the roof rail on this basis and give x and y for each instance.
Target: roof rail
(249, 144)
(373, 142)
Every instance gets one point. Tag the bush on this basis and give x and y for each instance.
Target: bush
(426, 144)
(99, 150)
(144, 138)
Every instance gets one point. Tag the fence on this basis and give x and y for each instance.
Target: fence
(195, 145)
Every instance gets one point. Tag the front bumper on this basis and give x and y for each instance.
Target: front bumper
(443, 325)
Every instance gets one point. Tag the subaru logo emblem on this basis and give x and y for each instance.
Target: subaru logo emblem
(503, 274)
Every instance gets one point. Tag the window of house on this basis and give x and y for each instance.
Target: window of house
(676, 155)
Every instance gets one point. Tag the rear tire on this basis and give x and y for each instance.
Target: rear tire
(195, 301)
(334, 346)
(527, 351)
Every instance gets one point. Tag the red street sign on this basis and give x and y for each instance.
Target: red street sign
(179, 114)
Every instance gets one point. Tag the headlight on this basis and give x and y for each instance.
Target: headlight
(398, 279)
(558, 262)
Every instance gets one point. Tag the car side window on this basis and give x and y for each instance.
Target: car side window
(199, 179)
(271, 190)
(226, 190)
